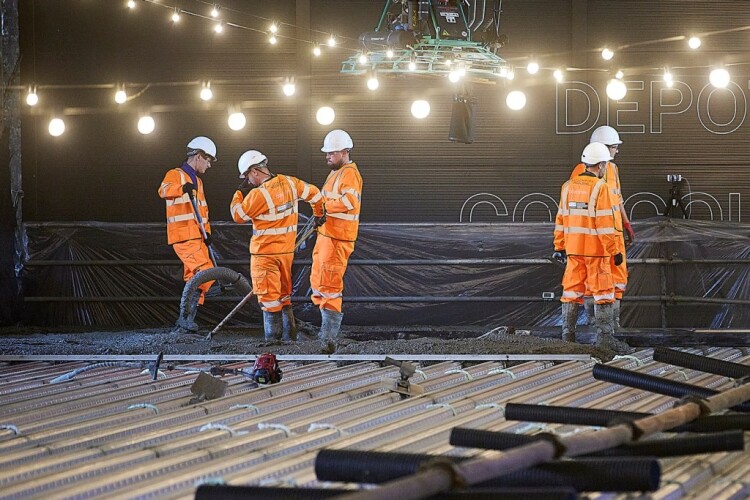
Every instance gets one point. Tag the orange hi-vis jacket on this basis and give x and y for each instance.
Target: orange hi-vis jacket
(612, 178)
(272, 208)
(182, 225)
(342, 193)
(585, 219)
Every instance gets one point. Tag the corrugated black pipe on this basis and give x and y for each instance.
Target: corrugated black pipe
(564, 415)
(709, 443)
(225, 492)
(657, 385)
(592, 474)
(702, 363)
(602, 418)
(190, 294)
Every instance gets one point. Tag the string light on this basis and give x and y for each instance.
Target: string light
(668, 77)
(373, 83)
(363, 58)
(420, 109)
(272, 40)
(131, 4)
(289, 88)
(56, 127)
(176, 15)
(325, 115)
(146, 125)
(616, 89)
(510, 75)
(607, 54)
(32, 99)
(219, 27)
(121, 96)
(558, 74)
(533, 68)
(389, 53)
(206, 93)
(619, 75)
(694, 42)
(516, 100)
(412, 64)
(215, 11)
(236, 121)
(454, 76)
(273, 28)
(332, 41)
(316, 51)
(719, 78)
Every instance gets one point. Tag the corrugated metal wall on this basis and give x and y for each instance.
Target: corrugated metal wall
(102, 169)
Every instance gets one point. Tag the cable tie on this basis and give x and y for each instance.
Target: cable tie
(148, 406)
(638, 362)
(245, 407)
(454, 371)
(504, 371)
(442, 405)
(221, 427)
(159, 373)
(210, 481)
(424, 375)
(277, 427)
(596, 360)
(10, 427)
(275, 481)
(319, 426)
(675, 370)
(496, 406)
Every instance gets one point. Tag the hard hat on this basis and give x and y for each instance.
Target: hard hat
(606, 135)
(203, 144)
(336, 140)
(248, 159)
(594, 153)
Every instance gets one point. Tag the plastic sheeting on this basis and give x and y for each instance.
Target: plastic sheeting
(124, 275)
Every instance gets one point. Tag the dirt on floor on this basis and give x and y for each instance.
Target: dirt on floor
(362, 340)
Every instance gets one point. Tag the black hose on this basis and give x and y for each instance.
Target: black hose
(226, 492)
(656, 384)
(564, 415)
(588, 474)
(602, 418)
(710, 443)
(190, 294)
(702, 363)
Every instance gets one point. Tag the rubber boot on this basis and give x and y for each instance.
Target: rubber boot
(605, 329)
(588, 306)
(616, 313)
(272, 325)
(289, 327)
(329, 329)
(569, 319)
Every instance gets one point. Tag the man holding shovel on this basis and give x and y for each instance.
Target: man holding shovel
(188, 229)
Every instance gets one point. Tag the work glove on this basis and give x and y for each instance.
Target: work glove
(319, 221)
(618, 259)
(560, 256)
(245, 187)
(208, 239)
(629, 234)
(188, 188)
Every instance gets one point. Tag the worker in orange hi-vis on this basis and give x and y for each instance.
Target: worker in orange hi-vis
(189, 232)
(585, 239)
(342, 193)
(609, 137)
(269, 201)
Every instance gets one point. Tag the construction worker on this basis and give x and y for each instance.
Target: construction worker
(342, 194)
(609, 137)
(585, 239)
(272, 208)
(188, 229)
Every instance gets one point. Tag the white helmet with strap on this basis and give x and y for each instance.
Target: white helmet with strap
(337, 140)
(606, 135)
(594, 153)
(249, 159)
(203, 144)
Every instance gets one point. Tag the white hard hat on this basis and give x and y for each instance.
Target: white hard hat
(203, 144)
(337, 140)
(594, 153)
(248, 159)
(606, 135)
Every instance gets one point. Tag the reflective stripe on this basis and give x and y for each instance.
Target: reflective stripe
(616, 207)
(347, 203)
(327, 295)
(604, 213)
(237, 209)
(272, 303)
(269, 202)
(180, 218)
(278, 216)
(571, 295)
(606, 296)
(305, 191)
(274, 230)
(620, 286)
(586, 230)
(578, 205)
(558, 227)
(316, 198)
(344, 216)
(293, 186)
(353, 192)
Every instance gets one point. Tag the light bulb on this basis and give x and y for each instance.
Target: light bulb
(510, 75)
(237, 121)
(215, 11)
(719, 78)
(146, 125)
(32, 99)
(273, 28)
(289, 89)
(176, 16)
(516, 100)
(558, 74)
(533, 68)
(667, 76)
(325, 115)
(420, 109)
(607, 54)
(362, 59)
(206, 93)
(131, 4)
(316, 51)
(121, 96)
(373, 83)
(272, 40)
(218, 28)
(56, 127)
(619, 75)
(332, 41)
(694, 42)
(389, 53)
(454, 76)
(616, 89)
(412, 65)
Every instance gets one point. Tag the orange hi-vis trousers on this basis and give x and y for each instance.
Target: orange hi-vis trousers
(329, 261)
(272, 280)
(588, 273)
(195, 257)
